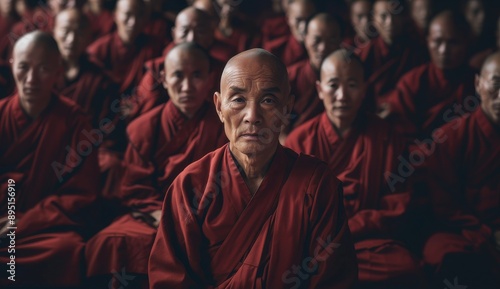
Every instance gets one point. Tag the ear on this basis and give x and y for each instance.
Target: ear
(319, 89)
(218, 103)
(477, 82)
(172, 33)
(163, 80)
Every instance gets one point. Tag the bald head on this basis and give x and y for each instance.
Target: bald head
(72, 33)
(194, 25)
(130, 19)
(188, 48)
(447, 40)
(37, 39)
(488, 87)
(298, 13)
(343, 57)
(323, 36)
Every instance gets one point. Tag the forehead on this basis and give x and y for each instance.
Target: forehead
(129, 5)
(444, 27)
(491, 69)
(301, 8)
(179, 59)
(190, 18)
(248, 73)
(34, 53)
(340, 68)
(68, 19)
(321, 27)
(361, 6)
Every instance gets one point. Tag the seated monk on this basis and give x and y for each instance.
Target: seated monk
(124, 51)
(422, 97)
(391, 54)
(290, 48)
(359, 148)
(322, 38)
(361, 21)
(48, 173)
(464, 185)
(162, 143)
(253, 214)
(158, 25)
(421, 13)
(85, 83)
(191, 25)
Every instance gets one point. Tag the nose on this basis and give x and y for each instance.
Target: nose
(131, 21)
(190, 37)
(187, 84)
(31, 76)
(321, 47)
(70, 37)
(253, 115)
(341, 94)
(388, 20)
(443, 48)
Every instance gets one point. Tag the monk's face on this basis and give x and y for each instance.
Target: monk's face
(297, 15)
(447, 45)
(71, 35)
(488, 87)
(36, 70)
(7, 7)
(130, 19)
(388, 21)
(186, 79)
(321, 40)
(253, 103)
(58, 5)
(475, 15)
(341, 89)
(360, 17)
(227, 8)
(421, 12)
(189, 27)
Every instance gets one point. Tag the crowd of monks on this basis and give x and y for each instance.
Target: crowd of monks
(250, 144)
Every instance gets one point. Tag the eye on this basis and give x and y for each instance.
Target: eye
(269, 100)
(334, 86)
(177, 74)
(238, 99)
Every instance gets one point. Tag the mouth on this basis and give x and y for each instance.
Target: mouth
(30, 90)
(250, 136)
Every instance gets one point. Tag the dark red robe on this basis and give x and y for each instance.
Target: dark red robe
(375, 210)
(162, 143)
(54, 167)
(303, 87)
(424, 97)
(286, 48)
(274, 27)
(102, 23)
(215, 234)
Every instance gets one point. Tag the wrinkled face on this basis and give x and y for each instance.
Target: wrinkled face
(253, 103)
(360, 17)
(389, 20)
(488, 87)
(341, 89)
(36, 70)
(420, 12)
(186, 79)
(321, 40)
(7, 7)
(129, 19)
(297, 15)
(447, 46)
(71, 36)
(191, 28)
(475, 15)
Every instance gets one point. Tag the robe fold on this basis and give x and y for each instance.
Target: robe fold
(286, 48)
(55, 169)
(162, 143)
(385, 65)
(303, 87)
(375, 210)
(102, 23)
(215, 234)
(160, 28)
(464, 184)
(124, 63)
(274, 27)
(424, 98)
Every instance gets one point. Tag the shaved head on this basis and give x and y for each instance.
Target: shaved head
(75, 14)
(298, 13)
(344, 56)
(323, 36)
(36, 39)
(190, 48)
(72, 33)
(488, 88)
(194, 25)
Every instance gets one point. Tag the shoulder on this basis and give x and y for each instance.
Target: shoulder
(305, 131)
(144, 125)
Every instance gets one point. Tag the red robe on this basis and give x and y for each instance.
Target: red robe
(125, 63)
(55, 170)
(385, 65)
(160, 28)
(215, 234)
(303, 86)
(274, 27)
(162, 143)
(464, 184)
(241, 39)
(423, 96)
(286, 48)
(102, 23)
(375, 210)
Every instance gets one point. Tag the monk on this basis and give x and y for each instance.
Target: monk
(425, 96)
(253, 214)
(481, 15)
(162, 143)
(191, 25)
(48, 173)
(391, 54)
(361, 21)
(290, 48)
(124, 51)
(421, 13)
(359, 148)
(101, 18)
(322, 38)
(464, 185)
(275, 25)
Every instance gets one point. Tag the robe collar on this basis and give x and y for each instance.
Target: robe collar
(485, 125)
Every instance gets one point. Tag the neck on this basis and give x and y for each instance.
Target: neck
(342, 126)
(254, 166)
(33, 110)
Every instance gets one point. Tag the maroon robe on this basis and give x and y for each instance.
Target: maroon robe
(162, 143)
(303, 87)
(286, 48)
(375, 210)
(125, 63)
(215, 234)
(55, 169)
(477, 60)
(385, 65)
(102, 23)
(425, 96)
(160, 28)
(274, 27)
(464, 184)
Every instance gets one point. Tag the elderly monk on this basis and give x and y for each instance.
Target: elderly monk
(394, 52)
(290, 48)
(322, 38)
(424, 97)
(51, 167)
(162, 143)
(361, 21)
(359, 148)
(124, 51)
(464, 184)
(191, 25)
(253, 213)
